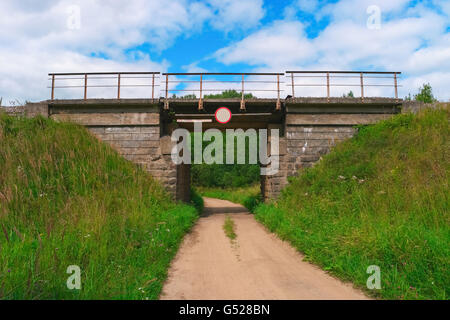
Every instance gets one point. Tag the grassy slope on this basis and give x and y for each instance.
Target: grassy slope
(67, 199)
(381, 198)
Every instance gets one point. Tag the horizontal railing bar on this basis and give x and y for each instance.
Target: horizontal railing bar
(102, 78)
(343, 85)
(220, 90)
(140, 77)
(363, 72)
(218, 81)
(108, 86)
(193, 115)
(224, 74)
(99, 73)
(366, 77)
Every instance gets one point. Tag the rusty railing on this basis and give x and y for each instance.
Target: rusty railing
(241, 82)
(117, 77)
(327, 76)
(244, 83)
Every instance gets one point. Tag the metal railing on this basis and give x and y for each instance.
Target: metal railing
(241, 82)
(90, 76)
(200, 83)
(292, 76)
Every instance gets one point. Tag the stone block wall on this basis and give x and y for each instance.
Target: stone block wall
(306, 144)
(29, 110)
(134, 131)
(301, 147)
(13, 111)
(33, 109)
(416, 106)
(271, 185)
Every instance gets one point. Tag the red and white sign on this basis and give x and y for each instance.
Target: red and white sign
(223, 115)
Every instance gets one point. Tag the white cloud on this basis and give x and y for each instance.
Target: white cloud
(17, 83)
(308, 5)
(37, 37)
(236, 14)
(119, 23)
(412, 40)
(277, 46)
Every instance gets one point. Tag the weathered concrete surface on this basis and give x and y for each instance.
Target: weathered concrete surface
(13, 110)
(29, 110)
(416, 106)
(258, 265)
(39, 108)
(382, 101)
(109, 119)
(334, 119)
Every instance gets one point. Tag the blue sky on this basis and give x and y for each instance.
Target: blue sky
(200, 47)
(222, 36)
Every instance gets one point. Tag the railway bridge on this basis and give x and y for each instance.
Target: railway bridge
(313, 111)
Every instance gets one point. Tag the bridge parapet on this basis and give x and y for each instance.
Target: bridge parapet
(338, 82)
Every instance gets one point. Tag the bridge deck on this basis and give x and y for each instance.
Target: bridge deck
(257, 113)
(252, 105)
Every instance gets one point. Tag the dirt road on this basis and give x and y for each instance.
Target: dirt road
(257, 265)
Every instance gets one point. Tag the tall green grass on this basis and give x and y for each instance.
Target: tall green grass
(68, 199)
(380, 198)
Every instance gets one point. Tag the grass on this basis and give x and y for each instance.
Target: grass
(197, 200)
(248, 196)
(380, 198)
(228, 227)
(67, 199)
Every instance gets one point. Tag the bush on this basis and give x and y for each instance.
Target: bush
(425, 94)
(224, 175)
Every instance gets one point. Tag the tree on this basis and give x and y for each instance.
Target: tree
(348, 95)
(425, 94)
(189, 96)
(229, 94)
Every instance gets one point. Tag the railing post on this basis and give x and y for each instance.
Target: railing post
(328, 87)
(278, 105)
(362, 86)
(118, 86)
(153, 86)
(53, 87)
(395, 85)
(200, 102)
(292, 81)
(85, 86)
(242, 95)
(166, 102)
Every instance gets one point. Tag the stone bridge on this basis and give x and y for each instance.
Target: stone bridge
(140, 129)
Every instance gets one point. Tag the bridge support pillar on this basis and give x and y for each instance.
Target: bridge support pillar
(271, 185)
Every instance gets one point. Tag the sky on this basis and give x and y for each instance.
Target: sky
(39, 37)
